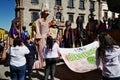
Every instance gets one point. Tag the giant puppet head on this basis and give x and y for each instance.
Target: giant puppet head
(45, 8)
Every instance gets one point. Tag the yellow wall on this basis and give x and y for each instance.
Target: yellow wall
(2, 33)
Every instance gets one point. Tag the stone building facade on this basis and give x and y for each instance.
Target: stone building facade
(61, 10)
(106, 13)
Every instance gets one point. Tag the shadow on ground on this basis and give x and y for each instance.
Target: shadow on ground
(63, 73)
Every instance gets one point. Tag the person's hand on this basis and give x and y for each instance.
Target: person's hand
(15, 36)
(37, 41)
(100, 68)
(18, 31)
(59, 55)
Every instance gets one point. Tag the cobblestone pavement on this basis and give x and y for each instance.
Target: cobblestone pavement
(62, 73)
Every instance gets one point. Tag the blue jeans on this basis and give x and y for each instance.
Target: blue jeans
(106, 78)
(18, 73)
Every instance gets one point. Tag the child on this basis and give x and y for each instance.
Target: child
(24, 34)
(31, 56)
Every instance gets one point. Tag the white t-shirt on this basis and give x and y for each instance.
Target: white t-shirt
(110, 63)
(18, 55)
(51, 53)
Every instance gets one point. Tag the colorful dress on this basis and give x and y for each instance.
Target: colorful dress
(13, 31)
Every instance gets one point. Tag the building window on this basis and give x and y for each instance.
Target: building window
(92, 5)
(105, 15)
(70, 4)
(82, 17)
(58, 16)
(71, 17)
(34, 1)
(35, 16)
(82, 4)
(58, 2)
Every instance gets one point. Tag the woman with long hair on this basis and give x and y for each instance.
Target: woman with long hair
(108, 57)
(15, 28)
(50, 54)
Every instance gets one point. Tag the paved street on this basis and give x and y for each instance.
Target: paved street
(62, 73)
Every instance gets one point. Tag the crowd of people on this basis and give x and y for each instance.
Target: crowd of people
(26, 55)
